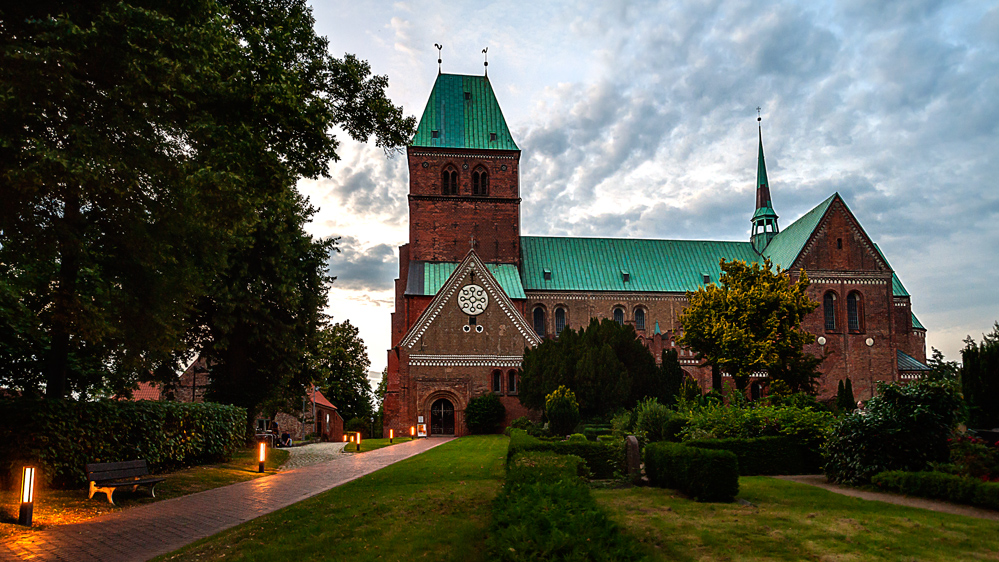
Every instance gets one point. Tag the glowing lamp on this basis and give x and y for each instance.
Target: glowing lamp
(344, 437)
(27, 496)
(262, 457)
(358, 441)
(412, 431)
(391, 435)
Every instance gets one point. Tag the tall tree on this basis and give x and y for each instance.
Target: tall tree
(141, 143)
(340, 365)
(980, 379)
(751, 322)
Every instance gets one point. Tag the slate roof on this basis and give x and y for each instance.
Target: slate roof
(465, 114)
(907, 362)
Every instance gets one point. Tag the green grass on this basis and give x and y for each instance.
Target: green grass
(62, 507)
(372, 444)
(795, 522)
(434, 506)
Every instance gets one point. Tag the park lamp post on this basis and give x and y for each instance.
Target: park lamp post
(27, 496)
(391, 435)
(412, 432)
(262, 457)
(358, 441)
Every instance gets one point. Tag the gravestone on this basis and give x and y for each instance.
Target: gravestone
(633, 457)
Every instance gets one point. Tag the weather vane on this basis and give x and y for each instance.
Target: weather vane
(758, 117)
(485, 63)
(439, 47)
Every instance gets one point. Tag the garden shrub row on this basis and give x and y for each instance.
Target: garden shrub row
(766, 455)
(707, 475)
(546, 512)
(940, 486)
(60, 436)
(602, 458)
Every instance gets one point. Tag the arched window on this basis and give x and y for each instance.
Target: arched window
(511, 383)
(497, 381)
(559, 321)
(480, 181)
(449, 181)
(829, 309)
(539, 321)
(619, 315)
(639, 318)
(854, 312)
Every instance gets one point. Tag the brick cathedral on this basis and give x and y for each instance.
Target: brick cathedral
(473, 293)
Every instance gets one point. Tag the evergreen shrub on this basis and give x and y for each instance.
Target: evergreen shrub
(562, 411)
(603, 459)
(704, 474)
(60, 436)
(763, 455)
(941, 486)
(484, 414)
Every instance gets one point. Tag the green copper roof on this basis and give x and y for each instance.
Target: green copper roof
(907, 362)
(435, 274)
(600, 264)
(786, 246)
(463, 113)
(916, 324)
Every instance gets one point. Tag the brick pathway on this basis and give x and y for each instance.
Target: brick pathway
(313, 453)
(143, 532)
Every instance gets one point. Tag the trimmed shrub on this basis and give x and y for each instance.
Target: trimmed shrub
(562, 411)
(763, 455)
(484, 414)
(652, 420)
(902, 428)
(941, 486)
(577, 438)
(544, 467)
(704, 474)
(603, 459)
(61, 436)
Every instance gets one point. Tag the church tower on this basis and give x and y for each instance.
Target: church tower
(464, 188)
(765, 218)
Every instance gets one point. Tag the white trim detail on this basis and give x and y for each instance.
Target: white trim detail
(465, 361)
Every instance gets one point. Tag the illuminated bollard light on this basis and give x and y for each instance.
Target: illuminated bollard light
(358, 441)
(262, 457)
(27, 496)
(391, 435)
(412, 432)
(344, 437)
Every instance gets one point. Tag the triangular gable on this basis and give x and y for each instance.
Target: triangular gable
(487, 282)
(836, 204)
(785, 248)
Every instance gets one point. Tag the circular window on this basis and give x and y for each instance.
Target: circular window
(472, 300)
(466, 328)
(479, 329)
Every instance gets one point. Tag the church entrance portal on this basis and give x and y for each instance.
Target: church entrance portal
(442, 417)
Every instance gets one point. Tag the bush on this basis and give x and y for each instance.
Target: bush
(764, 455)
(974, 457)
(704, 474)
(603, 459)
(941, 486)
(623, 423)
(546, 512)
(562, 411)
(484, 414)
(903, 428)
(577, 438)
(61, 436)
(653, 421)
(358, 424)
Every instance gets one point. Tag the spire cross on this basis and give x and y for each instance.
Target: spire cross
(485, 62)
(439, 47)
(758, 118)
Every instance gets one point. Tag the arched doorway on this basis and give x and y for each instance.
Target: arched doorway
(442, 417)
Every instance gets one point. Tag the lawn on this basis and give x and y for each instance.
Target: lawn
(792, 521)
(433, 506)
(62, 507)
(372, 444)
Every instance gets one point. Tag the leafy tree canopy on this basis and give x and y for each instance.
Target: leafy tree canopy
(340, 364)
(750, 322)
(980, 379)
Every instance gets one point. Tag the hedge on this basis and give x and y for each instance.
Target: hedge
(60, 436)
(765, 455)
(603, 459)
(705, 474)
(941, 486)
(546, 512)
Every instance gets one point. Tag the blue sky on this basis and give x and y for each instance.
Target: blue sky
(639, 119)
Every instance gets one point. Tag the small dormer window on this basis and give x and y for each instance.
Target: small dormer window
(468, 95)
(625, 276)
(548, 275)
(492, 137)
(706, 278)
(435, 134)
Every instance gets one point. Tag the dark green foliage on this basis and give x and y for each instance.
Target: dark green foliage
(978, 458)
(602, 458)
(844, 397)
(671, 377)
(604, 364)
(546, 512)
(340, 364)
(656, 422)
(980, 379)
(940, 486)
(904, 427)
(484, 414)
(61, 436)
(592, 432)
(358, 424)
(704, 474)
(765, 455)
(562, 411)
(940, 368)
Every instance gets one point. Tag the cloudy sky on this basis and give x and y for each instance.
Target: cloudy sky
(639, 120)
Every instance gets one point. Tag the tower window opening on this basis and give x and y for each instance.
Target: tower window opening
(539, 321)
(639, 318)
(839, 243)
(480, 182)
(619, 315)
(559, 321)
(497, 381)
(829, 310)
(511, 383)
(449, 181)
(854, 312)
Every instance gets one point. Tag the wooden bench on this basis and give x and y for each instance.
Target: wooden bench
(108, 476)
